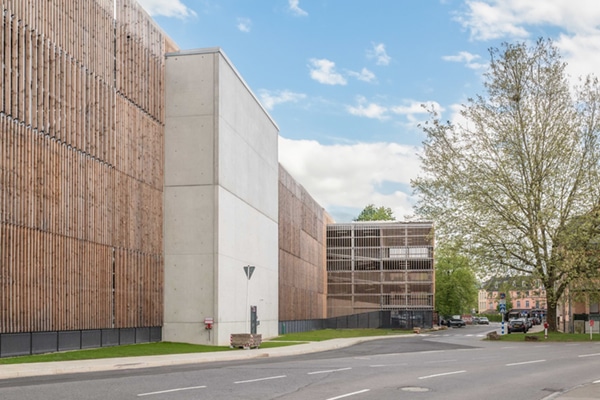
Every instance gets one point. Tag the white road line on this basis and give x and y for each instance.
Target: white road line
(171, 390)
(388, 365)
(438, 361)
(444, 374)
(589, 355)
(328, 371)
(262, 379)
(348, 394)
(525, 362)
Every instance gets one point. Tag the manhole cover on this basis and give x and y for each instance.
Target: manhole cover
(414, 389)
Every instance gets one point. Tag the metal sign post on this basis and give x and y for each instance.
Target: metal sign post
(248, 270)
(502, 307)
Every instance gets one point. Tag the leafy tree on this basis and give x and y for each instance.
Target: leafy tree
(455, 282)
(578, 251)
(372, 213)
(518, 168)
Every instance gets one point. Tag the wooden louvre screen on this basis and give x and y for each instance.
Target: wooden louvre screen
(81, 166)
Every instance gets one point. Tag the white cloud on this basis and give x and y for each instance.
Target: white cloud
(167, 8)
(467, 58)
(364, 75)
(295, 8)
(323, 71)
(270, 99)
(582, 53)
(579, 22)
(417, 107)
(379, 54)
(492, 19)
(412, 110)
(369, 110)
(244, 24)
(352, 176)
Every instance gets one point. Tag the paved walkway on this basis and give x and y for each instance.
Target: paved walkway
(584, 392)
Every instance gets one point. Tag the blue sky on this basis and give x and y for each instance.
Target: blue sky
(345, 80)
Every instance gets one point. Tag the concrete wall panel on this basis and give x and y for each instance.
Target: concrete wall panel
(219, 215)
(190, 85)
(189, 219)
(189, 154)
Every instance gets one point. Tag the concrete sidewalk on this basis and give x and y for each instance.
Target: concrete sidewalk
(590, 391)
(9, 371)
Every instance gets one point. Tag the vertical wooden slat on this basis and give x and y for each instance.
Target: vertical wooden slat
(79, 148)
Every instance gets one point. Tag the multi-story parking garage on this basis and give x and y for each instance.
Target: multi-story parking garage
(381, 266)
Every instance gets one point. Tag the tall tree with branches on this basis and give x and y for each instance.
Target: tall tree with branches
(518, 169)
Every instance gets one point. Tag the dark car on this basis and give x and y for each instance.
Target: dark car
(517, 325)
(454, 322)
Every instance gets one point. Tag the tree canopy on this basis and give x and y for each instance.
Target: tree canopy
(455, 283)
(518, 167)
(372, 213)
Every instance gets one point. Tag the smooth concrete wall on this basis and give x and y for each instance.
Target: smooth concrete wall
(221, 204)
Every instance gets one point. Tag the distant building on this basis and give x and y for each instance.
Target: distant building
(521, 292)
(380, 265)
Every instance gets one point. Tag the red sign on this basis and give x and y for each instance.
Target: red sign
(591, 322)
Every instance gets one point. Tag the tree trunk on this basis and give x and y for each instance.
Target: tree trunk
(551, 317)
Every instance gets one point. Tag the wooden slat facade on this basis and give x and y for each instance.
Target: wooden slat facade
(81, 165)
(302, 252)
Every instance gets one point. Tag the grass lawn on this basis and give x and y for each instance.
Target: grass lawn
(161, 348)
(290, 339)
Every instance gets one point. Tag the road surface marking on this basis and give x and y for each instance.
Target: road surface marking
(388, 365)
(348, 394)
(525, 362)
(328, 371)
(171, 390)
(589, 355)
(262, 379)
(444, 374)
(439, 361)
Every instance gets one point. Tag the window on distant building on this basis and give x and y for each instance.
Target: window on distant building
(526, 303)
(518, 303)
(594, 308)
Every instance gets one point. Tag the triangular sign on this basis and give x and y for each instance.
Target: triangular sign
(249, 270)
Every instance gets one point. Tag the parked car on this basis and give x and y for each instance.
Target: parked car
(454, 322)
(483, 321)
(517, 325)
(529, 322)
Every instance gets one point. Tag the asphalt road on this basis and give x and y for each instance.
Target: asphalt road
(451, 364)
